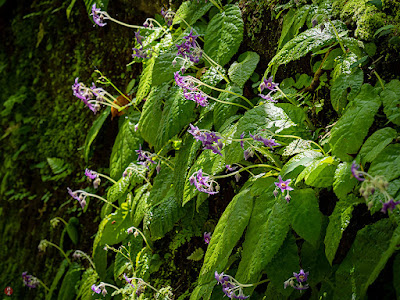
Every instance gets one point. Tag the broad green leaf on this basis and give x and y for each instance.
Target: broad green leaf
(376, 143)
(196, 255)
(266, 116)
(177, 114)
(311, 40)
(223, 111)
(292, 22)
(273, 292)
(297, 163)
(89, 278)
(239, 72)
(161, 186)
(224, 34)
(203, 292)
(56, 280)
(227, 233)
(149, 122)
(163, 69)
(344, 182)
(350, 130)
(387, 163)
(212, 77)
(319, 173)
(94, 130)
(164, 215)
(330, 61)
(373, 246)
(268, 227)
(186, 155)
(285, 261)
(391, 101)
(190, 11)
(141, 204)
(123, 152)
(72, 229)
(145, 79)
(67, 289)
(351, 79)
(305, 216)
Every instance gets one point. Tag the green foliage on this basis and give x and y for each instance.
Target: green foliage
(292, 22)
(72, 229)
(89, 278)
(343, 182)
(355, 123)
(223, 111)
(145, 80)
(319, 173)
(391, 101)
(239, 72)
(70, 280)
(94, 131)
(163, 69)
(224, 34)
(191, 11)
(387, 163)
(60, 272)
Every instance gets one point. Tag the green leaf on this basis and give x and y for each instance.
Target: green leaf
(350, 130)
(57, 165)
(377, 3)
(72, 229)
(223, 111)
(343, 183)
(141, 204)
(376, 143)
(339, 220)
(224, 34)
(373, 246)
(121, 263)
(176, 115)
(191, 11)
(305, 215)
(267, 116)
(94, 130)
(292, 22)
(282, 265)
(149, 122)
(319, 173)
(164, 215)
(239, 72)
(297, 163)
(56, 280)
(391, 101)
(89, 278)
(309, 41)
(227, 233)
(163, 69)
(123, 151)
(387, 163)
(346, 79)
(145, 79)
(212, 77)
(203, 291)
(196, 255)
(67, 290)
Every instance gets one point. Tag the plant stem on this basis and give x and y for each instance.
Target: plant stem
(62, 220)
(87, 257)
(61, 250)
(106, 177)
(245, 169)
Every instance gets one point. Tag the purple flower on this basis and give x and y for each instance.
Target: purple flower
(283, 185)
(268, 97)
(73, 195)
(248, 153)
(357, 174)
(242, 141)
(91, 174)
(269, 85)
(204, 184)
(195, 131)
(207, 237)
(128, 280)
(221, 278)
(85, 94)
(301, 277)
(267, 143)
(29, 280)
(391, 204)
(139, 37)
(98, 16)
(183, 49)
(230, 168)
(140, 53)
(191, 39)
(96, 289)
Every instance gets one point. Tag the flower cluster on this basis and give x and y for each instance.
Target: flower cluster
(92, 175)
(141, 52)
(98, 16)
(145, 158)
(78, 195)
(101, 288)
(30, 281)
(230, 286)
(168, 16)
(92, 97)
(297, 281)
(190, 90)
(189, 49)
(269, 85)
(258, 138)
(204, 183)
(43, 245)
(370, 185)
(207, 237)
(140, 284)
(210, 140)
(283, 186)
